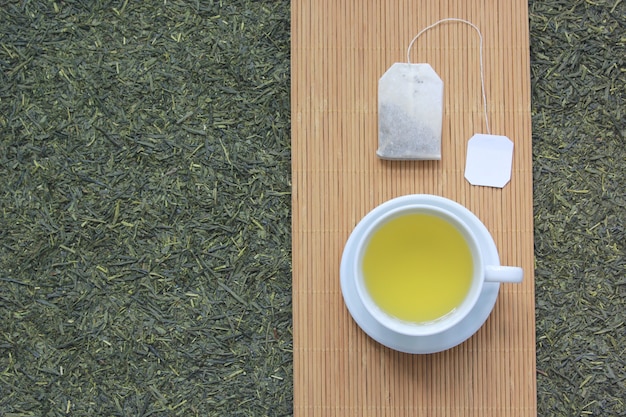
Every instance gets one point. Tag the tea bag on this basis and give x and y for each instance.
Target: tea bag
(410, 113)
(410, 116)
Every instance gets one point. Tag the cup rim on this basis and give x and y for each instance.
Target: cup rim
(440, 324)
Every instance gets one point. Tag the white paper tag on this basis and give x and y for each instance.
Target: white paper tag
(489, 160)
(410, 113)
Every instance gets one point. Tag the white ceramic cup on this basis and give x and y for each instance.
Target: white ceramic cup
(481, 271)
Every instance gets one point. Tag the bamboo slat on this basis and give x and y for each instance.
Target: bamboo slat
(339, 51)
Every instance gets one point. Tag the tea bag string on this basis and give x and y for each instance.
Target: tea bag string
(480, 37)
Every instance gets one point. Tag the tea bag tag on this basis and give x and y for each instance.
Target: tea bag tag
(489, 160)
(410, 113)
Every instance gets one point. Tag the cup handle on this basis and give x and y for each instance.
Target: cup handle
(497, 273)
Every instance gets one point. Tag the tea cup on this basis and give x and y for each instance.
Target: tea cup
(419, 269)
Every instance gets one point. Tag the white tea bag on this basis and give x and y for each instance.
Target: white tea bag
(410, 113)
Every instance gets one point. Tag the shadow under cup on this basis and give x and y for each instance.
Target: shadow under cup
(419, 270)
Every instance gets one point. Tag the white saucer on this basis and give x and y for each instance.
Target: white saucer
(419, 344)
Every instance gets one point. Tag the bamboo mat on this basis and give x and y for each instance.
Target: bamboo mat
(339, 51)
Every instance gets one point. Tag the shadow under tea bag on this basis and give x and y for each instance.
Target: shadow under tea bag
(410, 113)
